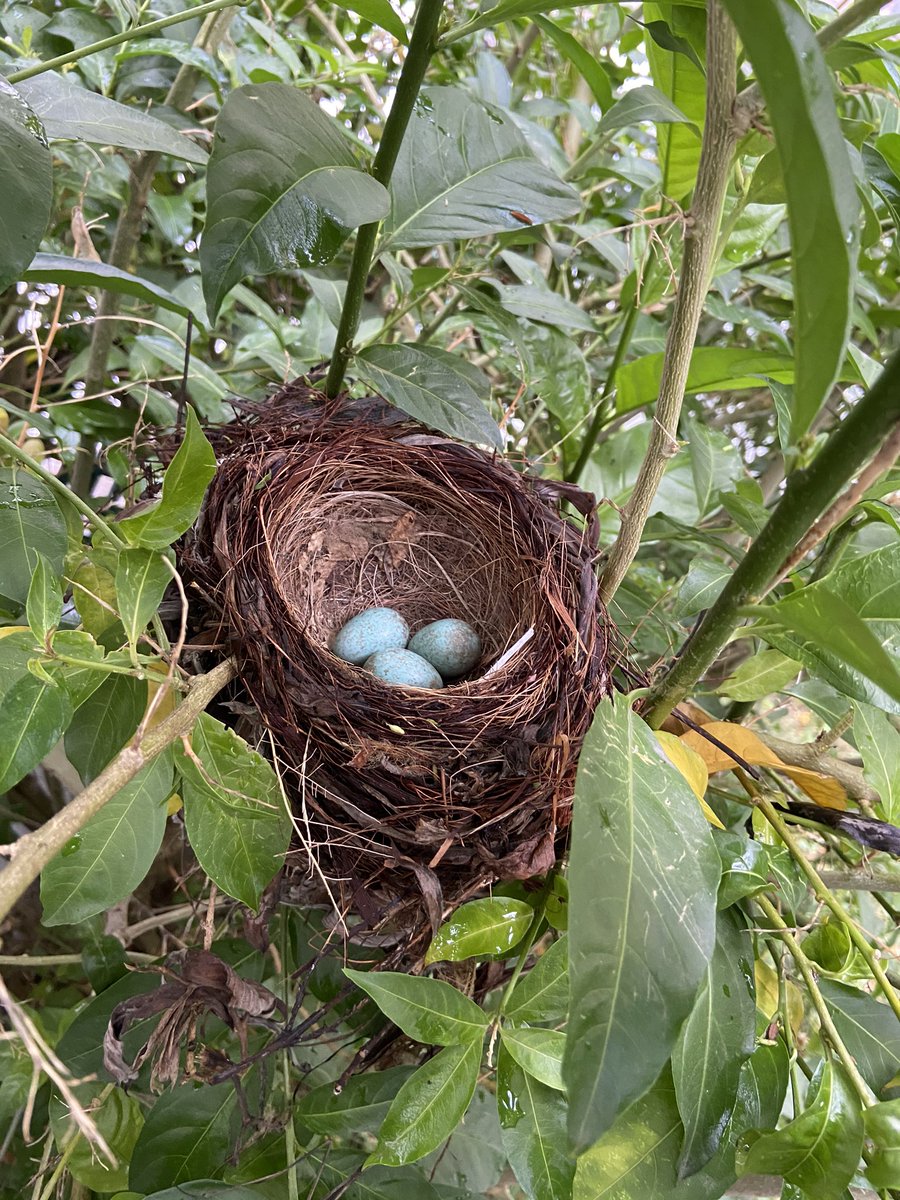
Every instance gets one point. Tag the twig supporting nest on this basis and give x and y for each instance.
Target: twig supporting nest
(318, 512)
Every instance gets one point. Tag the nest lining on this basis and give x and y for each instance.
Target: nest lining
(317, 513)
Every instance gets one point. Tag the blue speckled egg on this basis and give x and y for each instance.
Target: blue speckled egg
(368, 632)
(403, 668)
(452, 646)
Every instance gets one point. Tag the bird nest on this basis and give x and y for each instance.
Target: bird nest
(319, 511)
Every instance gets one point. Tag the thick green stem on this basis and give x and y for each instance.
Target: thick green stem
(806, 496)
(128, 35)
(421, 48)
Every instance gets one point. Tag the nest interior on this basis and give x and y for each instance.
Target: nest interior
(319, 511)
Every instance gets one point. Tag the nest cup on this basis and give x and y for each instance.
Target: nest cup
(319, 511)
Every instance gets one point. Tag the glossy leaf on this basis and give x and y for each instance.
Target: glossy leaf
(760, 675)
(713, 369)
(879, 744)
(542, 994)
(645, 931)
(869, 1030)
(745, 867)
(326, 1170)
(360, 1106)
(462, 169)
(643, 104)
(27, 185)
(713, 1043)
(141, 578)
(819, 185)
(35, 714)
(819, 1150)
(439, 389)
(85, 273)
(682, 81)
(699, 588)
(43, 606)
(234, 811)
(184, 485)
(111, 854)
(882, 1125)
(481, 928)
(187, 1135)
(71, 112)
(533, 1122)
(539, 1052)
(427, 1010)
(31, 523)
(429, 1106)
(283, 189)
(104, 723)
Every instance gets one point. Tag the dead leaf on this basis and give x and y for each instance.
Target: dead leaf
(692, 767)
(748, 747)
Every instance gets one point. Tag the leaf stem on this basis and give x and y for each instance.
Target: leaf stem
(127, 35)
(421, 47)
(32, 852)
(822, 893)
(806, 495)
(8, 446)
(719, 137)
(527, 944)
(807, 970)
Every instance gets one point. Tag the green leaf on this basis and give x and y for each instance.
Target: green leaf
(283, 189)
(590, 69)
(543, 993)
(713, 1044)
(184, 485)
(439, 389)
(539, 1052)
(818, 1151)
(380, 12)
(745, 867)
(429, 1106)
(481, 928)
(141, 578)
(35, 715)
(84, 273)
(715, 464)
(463, 168)
(879, 744)
(234, 811)
(540, 304)
(43, 607)
(760, 675)
(111, 854)
(820, 187)
(326, 1171)
(637, 1159)
(834, 632)
(882, 1124)
(31, 523)
(427, 1010)
(74, 113)
(633, 980)
(188, 1134)
(699, 588)
(359, 1107)
(27, 185)
(200, 1189)
(683, 82)
(533, 1124)
(869, 1030)
(104, 723)
(713, 369)
(644, 104)
(118, 1119)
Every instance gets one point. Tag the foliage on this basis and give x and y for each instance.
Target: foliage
(188, 214)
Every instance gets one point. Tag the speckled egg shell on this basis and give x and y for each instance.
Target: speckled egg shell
(404, 669)
(452, 646)
(367, 633)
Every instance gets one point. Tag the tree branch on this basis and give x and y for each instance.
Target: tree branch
(719, 136)
(812, 757)
(806, 495)
(33, 851)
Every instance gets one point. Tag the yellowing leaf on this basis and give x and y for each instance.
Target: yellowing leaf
(751, 749)
(767, 1000)
(692, 767)
(174, 805)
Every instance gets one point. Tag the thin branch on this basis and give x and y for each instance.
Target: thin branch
(854, 881)
(806, 495)
(812, 756)
(33, 851)
(719, 136)
(338, 40)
